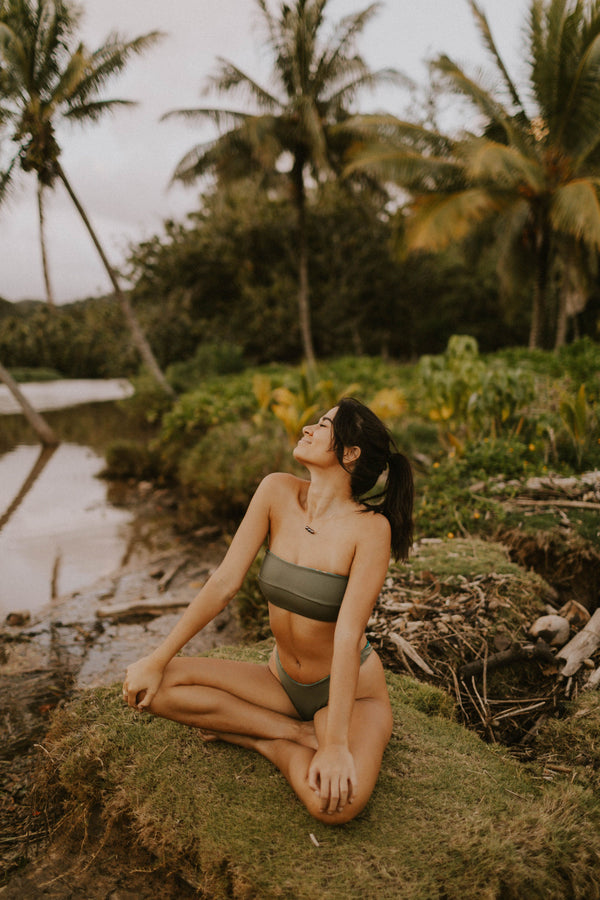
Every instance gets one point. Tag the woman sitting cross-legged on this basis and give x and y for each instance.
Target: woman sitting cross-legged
(320, 709)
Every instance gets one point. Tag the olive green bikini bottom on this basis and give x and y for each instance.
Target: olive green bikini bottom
(308, 698)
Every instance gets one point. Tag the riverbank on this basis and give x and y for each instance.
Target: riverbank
(83, 640)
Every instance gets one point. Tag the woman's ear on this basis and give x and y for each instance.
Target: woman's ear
(351, 454)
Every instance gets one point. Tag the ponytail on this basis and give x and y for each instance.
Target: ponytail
(397, 504)
(355, 425)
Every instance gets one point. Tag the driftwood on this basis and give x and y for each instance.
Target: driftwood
(581, 647)
(573, 504)
(140, 607)
(404, 647)
(516, 653)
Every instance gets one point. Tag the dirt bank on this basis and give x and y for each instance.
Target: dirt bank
(86, 640)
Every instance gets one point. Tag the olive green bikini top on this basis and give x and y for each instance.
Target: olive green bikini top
(299, 589)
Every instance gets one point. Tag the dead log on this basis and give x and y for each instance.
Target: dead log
(516, 653)
(120, 611)
(581, 647)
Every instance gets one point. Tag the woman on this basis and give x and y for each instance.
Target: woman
(320, 709)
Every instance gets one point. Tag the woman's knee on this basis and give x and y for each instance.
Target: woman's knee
(349, 812)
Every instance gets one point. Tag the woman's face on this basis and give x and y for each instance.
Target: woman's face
(316, 444)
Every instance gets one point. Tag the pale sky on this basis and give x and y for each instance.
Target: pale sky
(121, 167)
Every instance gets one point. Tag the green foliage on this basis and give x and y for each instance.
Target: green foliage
(24, 375)
(130, 459)
(223, 468)
(469, 398)
(580, 422)
(209, 359)
(78, 340)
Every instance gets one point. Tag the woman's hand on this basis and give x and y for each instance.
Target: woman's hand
(142, 681)
(332, 775)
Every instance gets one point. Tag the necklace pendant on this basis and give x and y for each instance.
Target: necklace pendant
(309, 529)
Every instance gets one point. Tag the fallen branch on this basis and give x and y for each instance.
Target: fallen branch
(516, 653)
(576, 504)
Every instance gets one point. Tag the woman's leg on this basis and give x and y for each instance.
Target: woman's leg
(227, 696)
(370, 731)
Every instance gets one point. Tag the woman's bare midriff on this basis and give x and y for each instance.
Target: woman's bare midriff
(305, 648)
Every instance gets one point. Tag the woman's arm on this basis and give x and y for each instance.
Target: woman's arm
(145, 675)
(332, 772)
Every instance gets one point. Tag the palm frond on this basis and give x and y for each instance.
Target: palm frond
(575, 211)
(333, 60)
(109, 60)
(496, 164)
(582, 109)
(231, 78)
(223, 118)
(343, 96)
(440, 219)
(95, 110)
(491, 108)
(485, 31)
(70, 77)
(6, 177)
(410, 170)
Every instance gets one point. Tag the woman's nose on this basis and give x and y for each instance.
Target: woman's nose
(308, 429)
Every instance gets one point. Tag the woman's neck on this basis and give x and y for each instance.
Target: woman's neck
(327, 495)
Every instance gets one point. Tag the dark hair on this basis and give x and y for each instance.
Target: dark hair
(355, 425)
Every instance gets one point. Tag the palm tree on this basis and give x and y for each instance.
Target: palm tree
(534, 167)
(291, 136)
(45, 75)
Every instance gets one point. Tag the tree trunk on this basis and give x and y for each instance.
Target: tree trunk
(138, 335)
(37, 422)
(303, 286)
(45, 269)
(561, 324)
(538, 313)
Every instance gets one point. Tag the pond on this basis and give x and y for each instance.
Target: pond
(58, 530)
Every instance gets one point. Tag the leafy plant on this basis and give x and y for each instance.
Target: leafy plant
(579, 421)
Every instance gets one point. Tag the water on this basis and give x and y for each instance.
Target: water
(58, 532)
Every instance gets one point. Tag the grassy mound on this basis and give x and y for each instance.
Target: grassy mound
(450, 817)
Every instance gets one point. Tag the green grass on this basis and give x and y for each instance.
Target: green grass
(450, 817)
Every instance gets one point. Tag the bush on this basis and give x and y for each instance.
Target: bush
(130, 459)
(223, 469)
(210, 359)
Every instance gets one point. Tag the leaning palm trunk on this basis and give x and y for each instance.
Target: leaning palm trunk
(45, 268)
(138, 335)
(37, 422)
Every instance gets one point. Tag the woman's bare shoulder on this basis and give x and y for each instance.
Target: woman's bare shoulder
(283, 482)
(373, 529)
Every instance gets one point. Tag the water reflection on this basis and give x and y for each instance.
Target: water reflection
(39, 465)
(60, 536)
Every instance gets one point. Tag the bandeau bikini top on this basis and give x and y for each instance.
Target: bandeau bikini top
(299, 589)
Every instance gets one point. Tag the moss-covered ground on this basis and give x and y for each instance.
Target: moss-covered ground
(451, 817)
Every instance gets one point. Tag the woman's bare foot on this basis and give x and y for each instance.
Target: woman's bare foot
(308, 735)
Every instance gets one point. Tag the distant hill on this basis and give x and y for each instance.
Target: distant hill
(21, 308)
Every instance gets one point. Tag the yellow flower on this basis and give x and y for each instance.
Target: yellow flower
(450, 534)
(532, 447)
(436, 465)
(476, 514)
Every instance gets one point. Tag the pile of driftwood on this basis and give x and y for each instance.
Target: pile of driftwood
(465, 634)
(559, 492)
